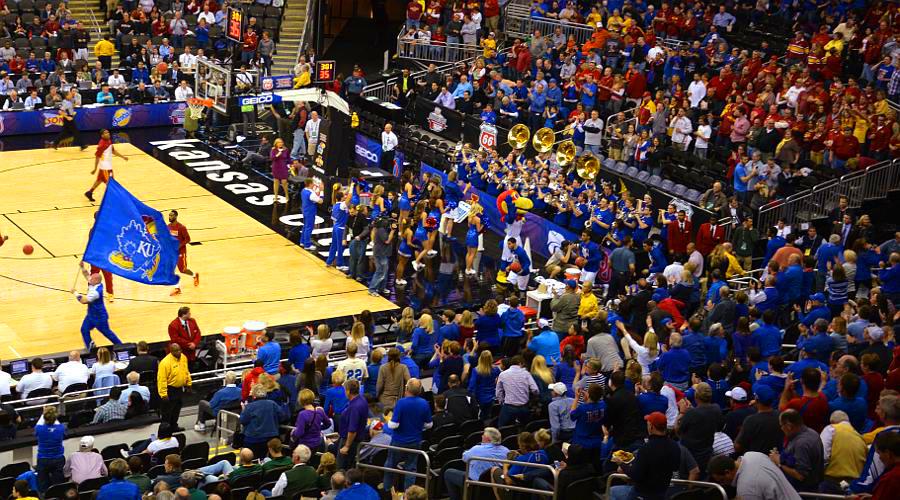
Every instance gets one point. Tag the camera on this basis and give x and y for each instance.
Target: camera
(385, 222)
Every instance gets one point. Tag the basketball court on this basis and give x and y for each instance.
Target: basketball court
(247, 271)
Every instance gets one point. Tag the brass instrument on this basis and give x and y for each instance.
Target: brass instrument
(545, 138)
(587, 166)
(565, 153)
(518, 136)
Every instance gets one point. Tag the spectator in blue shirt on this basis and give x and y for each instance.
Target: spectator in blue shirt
(412, 415)
(489, 447)
(791, 281)
(423, 341)
(693, 341)
(651, 400)
(105, 96)
(816, 309)
(828, 256)
(299, 350)
(269, 353)
(849, 402)
(513, 320)
(658, 261)
(589, 418)
(890, 279)
(546, 344)
(817, 342)
(483, 382)
(487, 326)
(449, 330)
(118, 488)
(356, 488)
(336, 397)
(261, 420)
(675, 363)
(228, 395)
(767, 337)
(51, 455)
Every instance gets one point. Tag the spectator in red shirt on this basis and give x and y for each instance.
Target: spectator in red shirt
(413, 15)
(812, 405)
(887, 445)
(248, 47)
(844, 148)
(491, 13)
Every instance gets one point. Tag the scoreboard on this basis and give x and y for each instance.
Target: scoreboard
(325, 71)
(234, 27)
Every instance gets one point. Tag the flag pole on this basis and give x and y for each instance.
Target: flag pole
(77, 274)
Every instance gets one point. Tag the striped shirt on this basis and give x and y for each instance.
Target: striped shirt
(111, 410)
(837, 291)
(515, 386)
(587, 381)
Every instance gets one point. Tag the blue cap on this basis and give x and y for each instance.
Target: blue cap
(553, 80)
(666, 321)
(817, 297)
(764, 394)
(571, 283)
(401, 348)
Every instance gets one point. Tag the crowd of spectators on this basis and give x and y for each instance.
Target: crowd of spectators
(654, 81)
(44, 54)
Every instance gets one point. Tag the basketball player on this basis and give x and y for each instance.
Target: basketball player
(178, 230)
(69, 129)
(96, 317)
(103, 161)
(519, 278)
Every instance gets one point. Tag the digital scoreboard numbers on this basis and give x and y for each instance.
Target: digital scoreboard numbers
(234, 29)
(325, 71)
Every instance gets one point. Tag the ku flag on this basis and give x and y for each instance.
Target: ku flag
(131, 240)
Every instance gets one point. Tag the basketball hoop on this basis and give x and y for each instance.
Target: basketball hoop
(197, 106)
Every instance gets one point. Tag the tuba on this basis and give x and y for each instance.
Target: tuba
(587, 166)
(518, 136)
(543, 140)
(565, 153)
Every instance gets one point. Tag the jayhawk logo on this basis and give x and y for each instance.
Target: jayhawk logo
(139, 248)
(509, 203)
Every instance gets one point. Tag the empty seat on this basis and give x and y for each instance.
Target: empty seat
(655, 180)
(692, 195)
(609, 163)
(667, 185)
(620, 166)
(631, 172)
(643, 176)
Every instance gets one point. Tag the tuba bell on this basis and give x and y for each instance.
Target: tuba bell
(543, 140)
(518, 136)
(587, 166)
(565, 153)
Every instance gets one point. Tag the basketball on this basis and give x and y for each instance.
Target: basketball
(162, 68)
(580, 262)
(28, 249)
(515, 267)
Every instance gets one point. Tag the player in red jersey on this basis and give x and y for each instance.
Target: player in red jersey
(179, 231)
(103, 162)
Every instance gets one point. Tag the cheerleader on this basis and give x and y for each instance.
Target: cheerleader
(473, 239)
(408, 194)
(454, 194)
(379, 204)
(421, 234)
(339, 215)
(405, 250)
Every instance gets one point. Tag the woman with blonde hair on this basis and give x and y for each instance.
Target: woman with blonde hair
(466, 325)
(423, 340)
(358, 337)
(849, 266)
(543, 377)
(105, 366)
(483, 382)
(280, 157)
(323, 342)
(647, 353)
(392, 378)
(310, 423)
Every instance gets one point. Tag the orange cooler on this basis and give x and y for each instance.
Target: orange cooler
(233, 339)
(253, 330)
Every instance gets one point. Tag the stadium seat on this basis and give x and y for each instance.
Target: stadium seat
(511, 442)
(620, 166)
(248, 481)
(667, 185)
(195, 450)
(194, 463)
(59, 490)
(643, 176)
(631, 172)
(534, 425)
(13, 470)
(692, 195)
(93, 484)
(445, 455)
(156, 470)
(274, 474)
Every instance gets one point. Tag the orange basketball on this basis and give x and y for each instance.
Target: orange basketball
(515, 267)
(162, 68)
(28, 249)
(579, 262)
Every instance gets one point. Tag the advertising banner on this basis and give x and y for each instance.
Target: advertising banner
(93, 118)
(544, 235)
(367, 152)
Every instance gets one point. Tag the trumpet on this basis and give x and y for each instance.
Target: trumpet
(518, 136)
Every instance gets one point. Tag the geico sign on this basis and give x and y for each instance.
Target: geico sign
(218, 171)
(259, 99)
(365, 153)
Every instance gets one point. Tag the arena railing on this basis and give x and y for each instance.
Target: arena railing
(422, 51)
(674, 482)
(388, 470)
(825, 496)
(872, 182)
(307, 33)
(553, 494)
(520, 24)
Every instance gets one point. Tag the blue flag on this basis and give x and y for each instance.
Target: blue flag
(132, 240)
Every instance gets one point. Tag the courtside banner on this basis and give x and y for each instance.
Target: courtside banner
(545, 236)
(93, 117)
(131, 240)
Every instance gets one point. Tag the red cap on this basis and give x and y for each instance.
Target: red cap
(657, 419)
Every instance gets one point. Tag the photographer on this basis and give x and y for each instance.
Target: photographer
(383, 231)
(360, 231)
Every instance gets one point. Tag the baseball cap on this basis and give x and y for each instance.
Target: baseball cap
(875, 332)
(87, 443)
(817, 297)
(377, 426)
(571, 283)
(737, 394)
(558, 388)
(765, 394)
(401, 348)
(543, 323)
(656, 419)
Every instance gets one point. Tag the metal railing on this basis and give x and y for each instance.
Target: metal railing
(307, 33)
(224, 421)
(827, 496)
(423, 50)
(553, 494)
(673, 482)
(420, 475)
(520, 24)
(873, 182)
